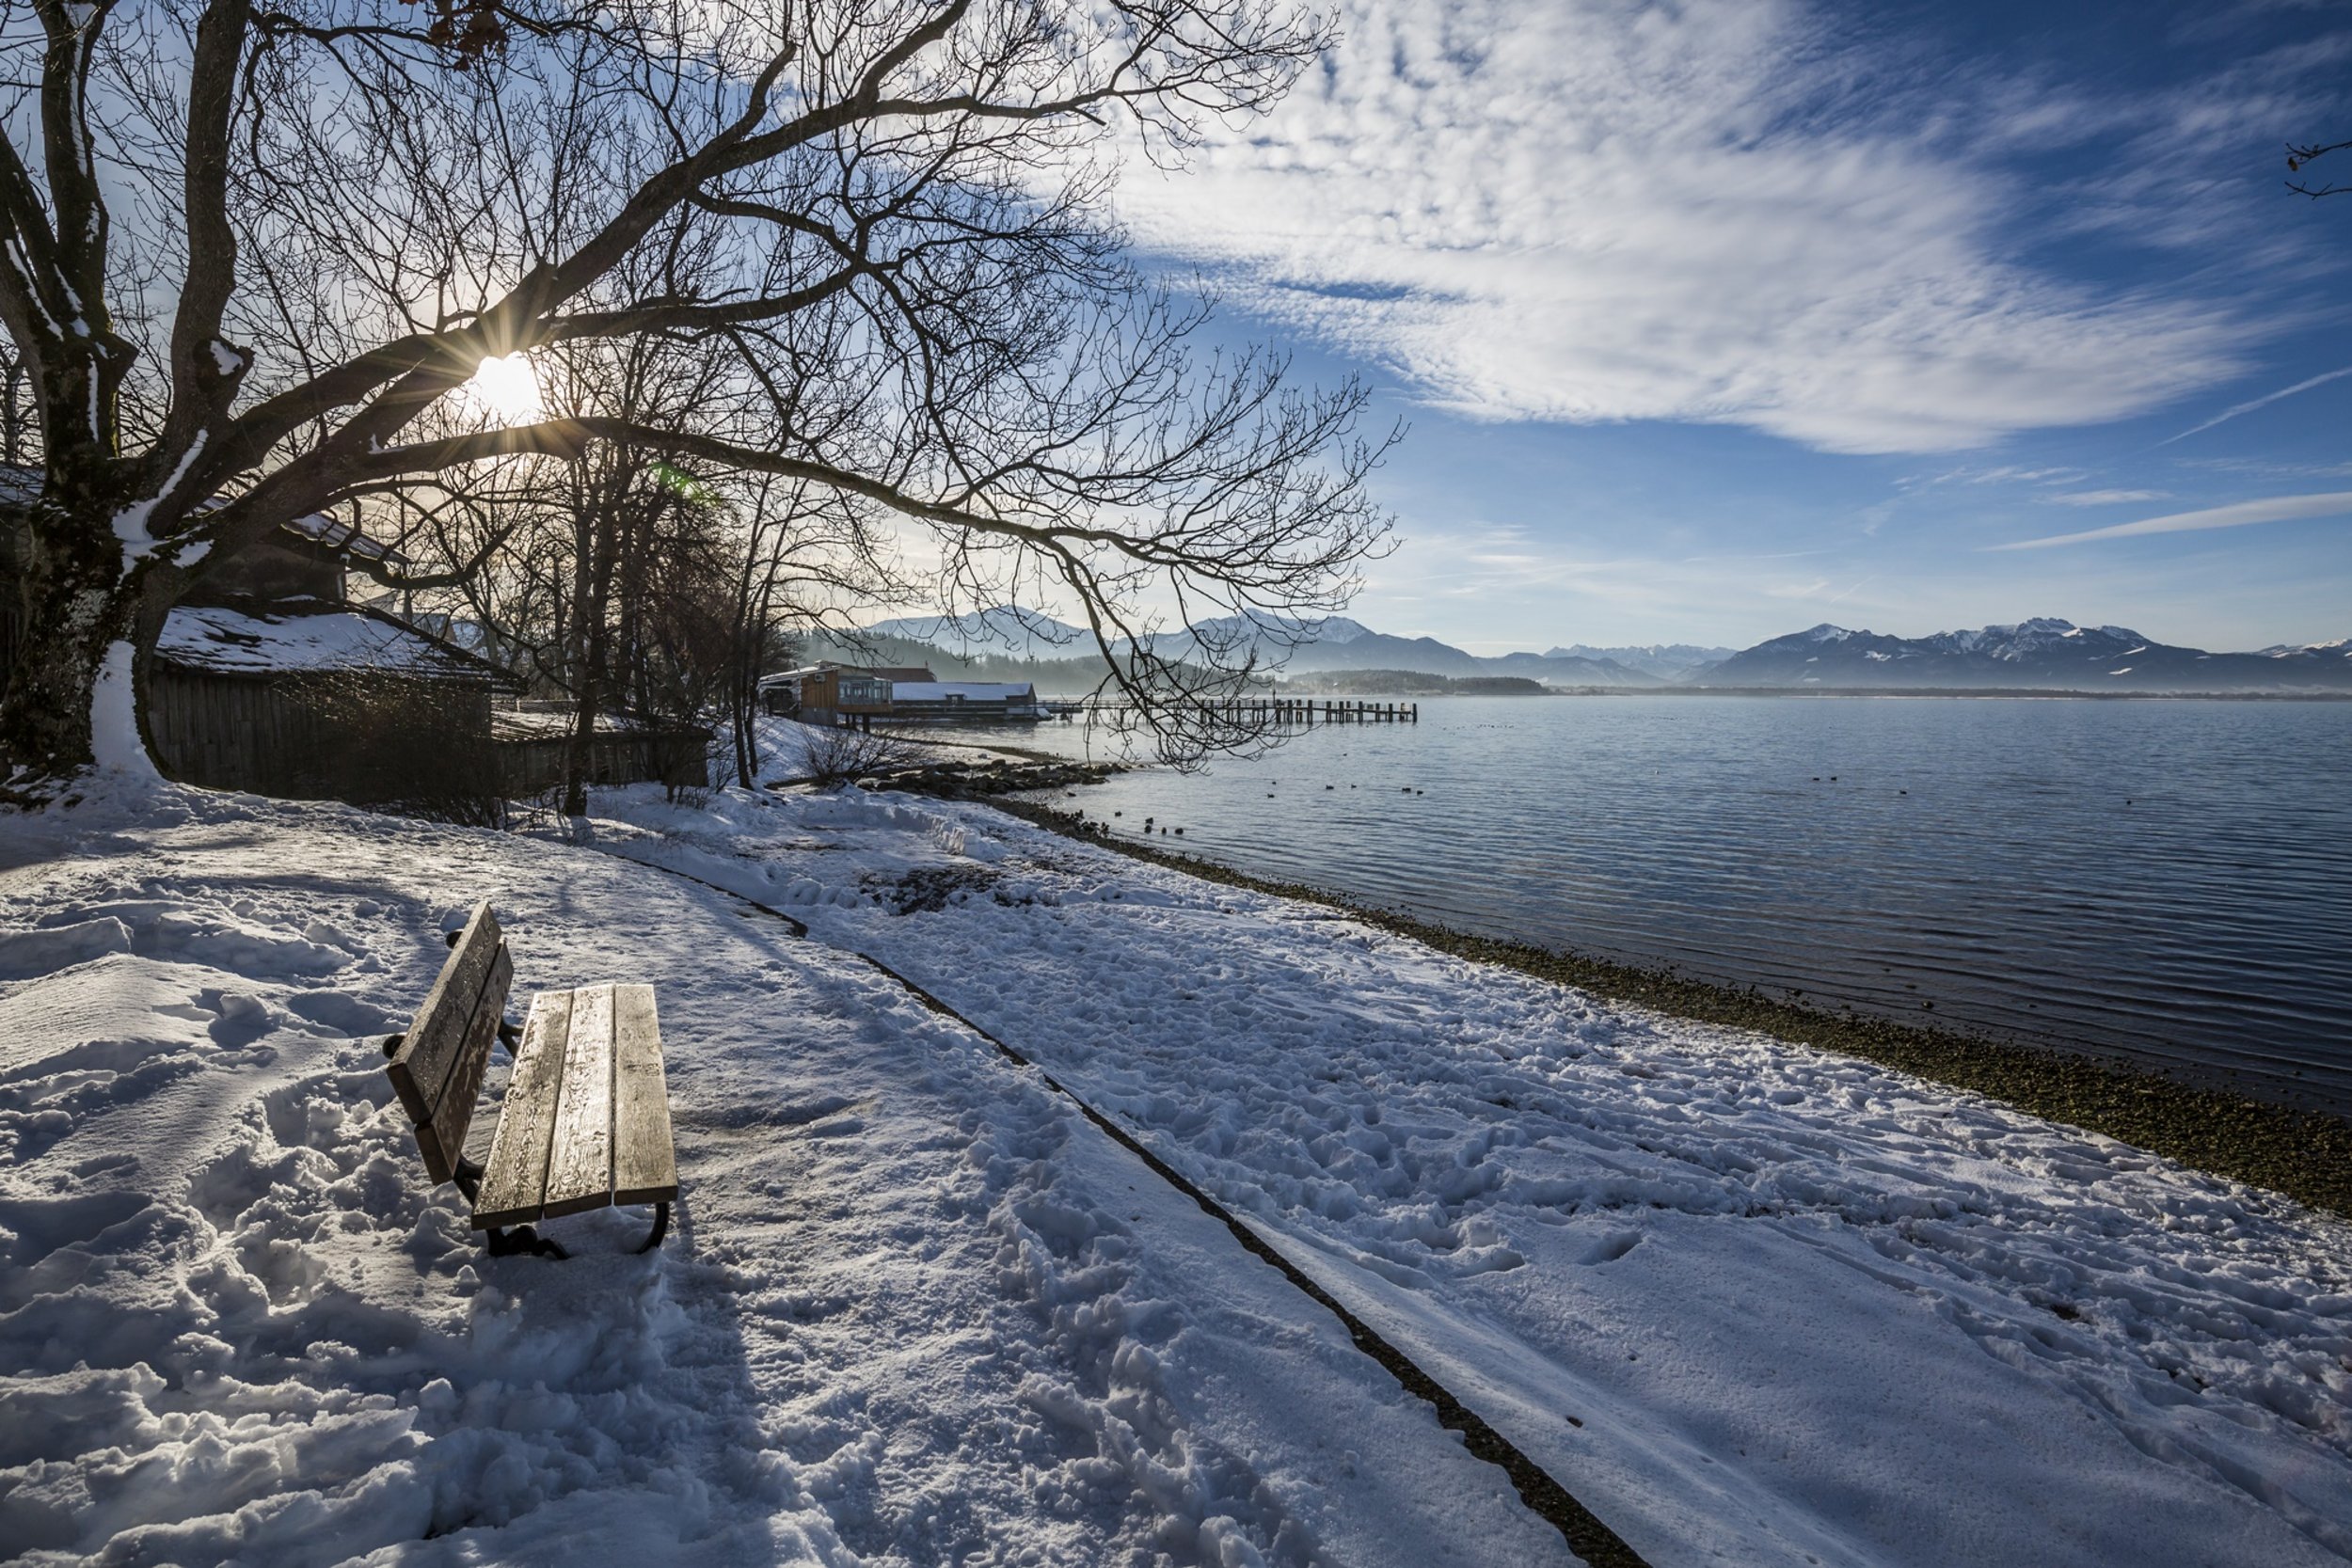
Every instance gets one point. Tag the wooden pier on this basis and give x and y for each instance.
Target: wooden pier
(1303, 713)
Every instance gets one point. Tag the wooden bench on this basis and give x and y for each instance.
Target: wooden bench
(586, 1120)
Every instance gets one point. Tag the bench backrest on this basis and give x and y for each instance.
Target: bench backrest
(437, 1067)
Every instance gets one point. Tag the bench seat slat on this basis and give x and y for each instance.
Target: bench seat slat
(516, 1181)
(421, 1065)
(579, 1170)
(644, 1164)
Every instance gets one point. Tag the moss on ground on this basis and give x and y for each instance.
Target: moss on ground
(2305, 1154)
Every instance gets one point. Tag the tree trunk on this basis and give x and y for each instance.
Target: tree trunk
(590, 607)
(743, 701)
(582, 751)
(751, 640)
(84, 632)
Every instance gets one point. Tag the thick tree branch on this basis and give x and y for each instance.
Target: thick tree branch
(205, 369)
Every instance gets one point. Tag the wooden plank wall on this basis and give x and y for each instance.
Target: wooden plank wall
(229, 734)
(265, 733)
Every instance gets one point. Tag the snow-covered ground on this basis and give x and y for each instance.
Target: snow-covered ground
(1750, 1303)
(915, 1310)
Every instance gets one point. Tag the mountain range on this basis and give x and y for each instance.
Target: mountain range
(1300, 647)
(2043, 653)
(1668, 661)
(1006, 630)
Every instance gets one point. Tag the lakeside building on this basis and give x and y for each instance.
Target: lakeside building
(848, 694)
(829, 695)
(270, 676)
(270, 679)
(267, 678)
(965, 702)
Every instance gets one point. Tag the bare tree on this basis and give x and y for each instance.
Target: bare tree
(804, 561)
(247, 256)
(620, 578)
(643, 533)
(2301, 155)
(15, 409)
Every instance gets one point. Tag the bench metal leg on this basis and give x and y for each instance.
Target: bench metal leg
(501, 1243)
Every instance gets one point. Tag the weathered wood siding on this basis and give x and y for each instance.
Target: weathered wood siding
(292, 735)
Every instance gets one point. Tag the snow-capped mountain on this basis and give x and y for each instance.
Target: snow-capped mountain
(2044, 654)
(1311, 647)
(1004, 629)
(2040, 653)
(1281, 644)
(2039, 638)
(1272, 635)
(1666, 661)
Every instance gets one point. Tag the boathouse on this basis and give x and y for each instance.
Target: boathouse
(314, 699)
(828, 693)
(964, 701)
(268, 678)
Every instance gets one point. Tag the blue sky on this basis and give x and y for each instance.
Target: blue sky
(1718, 319)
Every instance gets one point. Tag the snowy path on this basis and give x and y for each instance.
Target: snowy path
(916, 1310)
(1750, 1301)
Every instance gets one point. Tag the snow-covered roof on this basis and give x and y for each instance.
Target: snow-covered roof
(337, 534)
(970, 691)
(329, 639)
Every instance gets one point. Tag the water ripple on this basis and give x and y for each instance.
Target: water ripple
(2164, 880)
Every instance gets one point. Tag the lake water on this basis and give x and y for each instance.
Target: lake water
(2169, 881)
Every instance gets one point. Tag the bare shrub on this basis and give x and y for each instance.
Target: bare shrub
(830, 758)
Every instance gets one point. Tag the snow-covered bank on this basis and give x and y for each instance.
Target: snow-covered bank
(1743, 1298)
(1746, 1301)
(915, 1310)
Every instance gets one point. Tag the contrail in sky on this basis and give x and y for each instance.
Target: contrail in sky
(2248, 407)
(2273, 510)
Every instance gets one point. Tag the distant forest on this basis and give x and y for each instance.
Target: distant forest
(1051, 676)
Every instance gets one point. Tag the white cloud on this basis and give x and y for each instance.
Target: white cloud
(2276, 509)
(1499, 586)
(1596, 210)
(2102, 498)
(2008, 474)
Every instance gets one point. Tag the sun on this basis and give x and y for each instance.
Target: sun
(506, 389)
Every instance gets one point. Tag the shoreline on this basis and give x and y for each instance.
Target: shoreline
(2304, 1154)
(2042, 694)
(1304, 689)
